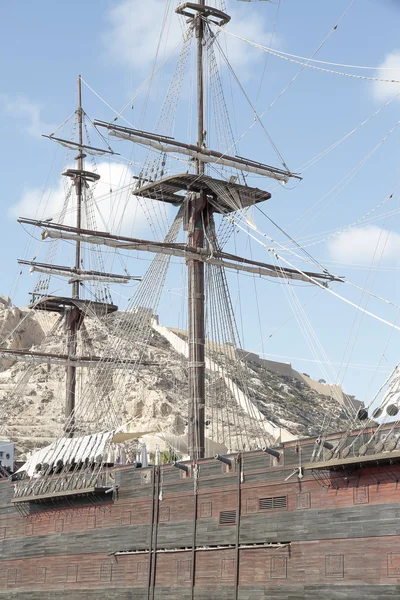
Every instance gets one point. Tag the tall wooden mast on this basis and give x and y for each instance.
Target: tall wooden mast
(78, 185)
(196, 326)
(73, 314)
(73, 308)
(201, 195)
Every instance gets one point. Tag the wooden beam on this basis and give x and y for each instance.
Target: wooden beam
(68, 271)
(63, 359)
(76, 145)
(228, 261)
(241, 163)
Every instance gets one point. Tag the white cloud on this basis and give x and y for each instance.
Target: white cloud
(364, 245)
(121, 212)
(133, 35)
(389, 69)
(25, 111)
(248, 24)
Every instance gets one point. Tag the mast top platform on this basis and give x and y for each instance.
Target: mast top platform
(189, 9)
(60, 304)
(225, 196)
(86, 175)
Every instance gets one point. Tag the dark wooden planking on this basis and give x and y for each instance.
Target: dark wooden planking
(318, 592)
(311, 513)
(306, 565)
(357, 526)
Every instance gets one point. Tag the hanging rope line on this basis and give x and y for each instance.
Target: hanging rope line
(332, 64)
(308, 60)
(334, 28)
(278, 5)
(257, 117)
(360, 221)
(311, 279)
(343, 182)
(318, 157)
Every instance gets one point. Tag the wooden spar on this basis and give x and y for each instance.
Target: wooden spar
(79, 273)
(166, 144)
(64, 359)
(205, 155)
(76, 277)
(55, 231)
(88, 149)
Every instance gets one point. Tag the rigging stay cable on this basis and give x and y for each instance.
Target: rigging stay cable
(333, 64)
(372, 274)
(257, 117)
(312, 341)
(343, 182)
(290, 83)
(379, 365)
(278, 5)
(307, 63)
(146, 296)
(304, 324)
(357, 366)
(316, 282)
(119, 113)
(163, 26)
(300, 247)
(361, 221)
(311, 162)
(333, 146)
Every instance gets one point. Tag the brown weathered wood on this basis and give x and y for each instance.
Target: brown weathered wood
(370, 460)
(342, 537)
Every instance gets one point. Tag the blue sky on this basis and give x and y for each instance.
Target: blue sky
(111, 43)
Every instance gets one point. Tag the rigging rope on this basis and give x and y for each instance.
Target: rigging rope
(359, 221)
(292, 80)
(318, 157)
(307, 63)
(257, 117)
(278, 5)
(344, 181)
(315, 281)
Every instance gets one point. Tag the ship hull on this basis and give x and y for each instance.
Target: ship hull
(254, 530)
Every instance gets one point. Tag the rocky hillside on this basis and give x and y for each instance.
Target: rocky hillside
(32, 395)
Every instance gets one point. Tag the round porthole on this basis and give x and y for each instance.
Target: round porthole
(7, 456)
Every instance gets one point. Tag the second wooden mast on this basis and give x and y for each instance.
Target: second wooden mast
(73, 314)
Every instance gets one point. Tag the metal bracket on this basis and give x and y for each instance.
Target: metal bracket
(206, 12)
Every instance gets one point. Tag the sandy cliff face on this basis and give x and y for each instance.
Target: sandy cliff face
(155, 395)
(19, 329)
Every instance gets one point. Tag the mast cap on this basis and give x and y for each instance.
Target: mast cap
(206, 11)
